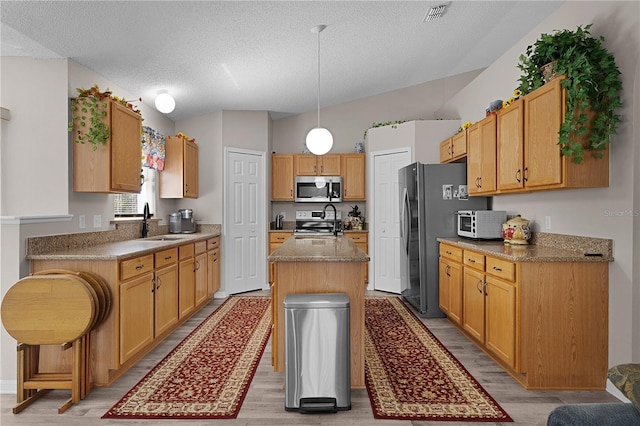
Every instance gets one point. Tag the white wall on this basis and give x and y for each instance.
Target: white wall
(347, 122)
(604, 212)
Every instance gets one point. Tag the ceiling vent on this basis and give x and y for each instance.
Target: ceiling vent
(435, 12)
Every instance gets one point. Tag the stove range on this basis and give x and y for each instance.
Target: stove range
(312, 223)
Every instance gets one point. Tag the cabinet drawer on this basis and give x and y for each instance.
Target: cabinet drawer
(166, 257)
(279, 237)
(132, 267)
(358, 237)
(501, 268)
(186, 251)
(451, 252)
(200, 246)
(213, 243)
(474, 260)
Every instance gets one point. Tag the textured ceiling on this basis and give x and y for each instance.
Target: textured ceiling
(262, 55)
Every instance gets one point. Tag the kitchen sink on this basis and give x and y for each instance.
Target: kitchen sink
(162, 238)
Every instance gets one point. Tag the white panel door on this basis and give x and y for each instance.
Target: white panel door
(386, 229)
(245, 242)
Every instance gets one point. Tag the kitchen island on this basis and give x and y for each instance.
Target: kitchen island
(323, 264)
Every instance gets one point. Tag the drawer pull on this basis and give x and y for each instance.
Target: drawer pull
(448, 252)
(495, 268)
(139, 267)
(167, 257)
(471, 260)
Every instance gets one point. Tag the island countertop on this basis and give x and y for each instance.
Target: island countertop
(318, 249)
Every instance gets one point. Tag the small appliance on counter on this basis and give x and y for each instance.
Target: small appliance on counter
(279, 219)
(481, 224)
(182, 222)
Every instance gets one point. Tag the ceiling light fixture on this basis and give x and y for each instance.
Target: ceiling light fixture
(435, 12)
(165, 102)
(319, 139)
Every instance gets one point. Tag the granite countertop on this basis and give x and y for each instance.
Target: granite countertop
(318, 249)
(588, 250)
(120, 250)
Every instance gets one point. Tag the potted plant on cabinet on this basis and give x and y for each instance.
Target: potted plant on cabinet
(89, 113)
(592, 86)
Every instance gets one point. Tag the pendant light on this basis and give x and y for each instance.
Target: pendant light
(319, 139)
(165, 102)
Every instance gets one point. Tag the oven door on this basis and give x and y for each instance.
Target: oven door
(311, 189)
(465, 224)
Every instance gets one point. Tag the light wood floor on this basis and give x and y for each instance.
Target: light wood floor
(264, 403)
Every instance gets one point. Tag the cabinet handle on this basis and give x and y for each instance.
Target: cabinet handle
(485, 289)
(167, 257)
(450, 150)
(448, 252)
(139, 267)
(446, 270)
(471, 260)
(479, 286)
(495, 268)
(197, 265)
(158, 282)
(526, 174)
(518, 176)
(291, 192)
(480, 180)
(153, 285)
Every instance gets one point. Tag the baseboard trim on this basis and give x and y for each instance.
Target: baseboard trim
(8, 387)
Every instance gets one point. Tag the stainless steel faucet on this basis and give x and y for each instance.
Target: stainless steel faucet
(335, 218)
(145, 216)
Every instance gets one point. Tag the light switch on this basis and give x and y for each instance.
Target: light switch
(97, 221)
(547, 222)
(81, 221)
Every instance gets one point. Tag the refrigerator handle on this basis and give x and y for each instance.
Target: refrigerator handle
(404, 226)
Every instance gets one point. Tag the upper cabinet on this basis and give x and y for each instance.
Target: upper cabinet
(481, 156)
(317, 165)
(115, 166)
(179, 179)
(453, 148)
(282, 177)
(528, 154)
(353, 177)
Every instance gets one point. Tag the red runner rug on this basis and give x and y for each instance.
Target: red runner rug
(208, 374)
(410, 375)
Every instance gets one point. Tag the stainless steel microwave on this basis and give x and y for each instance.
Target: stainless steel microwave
(318, 189)
(481, 224)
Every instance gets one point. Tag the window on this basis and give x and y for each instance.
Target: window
(133, 204)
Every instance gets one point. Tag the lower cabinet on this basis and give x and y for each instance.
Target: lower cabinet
(200, 270)
(136, 315)
(187, 280)
(544, 322)
(213, 266)
(361, 239)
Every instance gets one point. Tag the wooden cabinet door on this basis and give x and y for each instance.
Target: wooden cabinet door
(186, 288)
(201, 284)
(329, 165)
(213, 271)
(473, 303)
(542, 120)
(510, 146)
(305, 165)
(500, 319)
(190, 169)
(282, 177)
(136, 315)
(125, 149)
(459, 145)
(445, 151)
(166, 298)
(481, 156)
(455, 292)
(353, 177)
(443, 286)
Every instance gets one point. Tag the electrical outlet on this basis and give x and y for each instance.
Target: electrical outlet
(547, 222)
(97, 221)
(284, 215)
(82, 221)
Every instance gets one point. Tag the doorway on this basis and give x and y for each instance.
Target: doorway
(386, 214)
(244, 221)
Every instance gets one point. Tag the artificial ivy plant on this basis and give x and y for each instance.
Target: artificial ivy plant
(592, 84)
(89, 113)
(393, 124)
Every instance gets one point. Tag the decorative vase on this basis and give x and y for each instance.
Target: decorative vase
(547, 71)
(359, 147)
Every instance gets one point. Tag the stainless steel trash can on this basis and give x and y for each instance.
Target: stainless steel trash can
(317, 352)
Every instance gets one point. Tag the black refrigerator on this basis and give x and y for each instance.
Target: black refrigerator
(430, 196)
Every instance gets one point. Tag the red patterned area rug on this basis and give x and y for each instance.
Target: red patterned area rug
(208, 374)
(410, 375)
